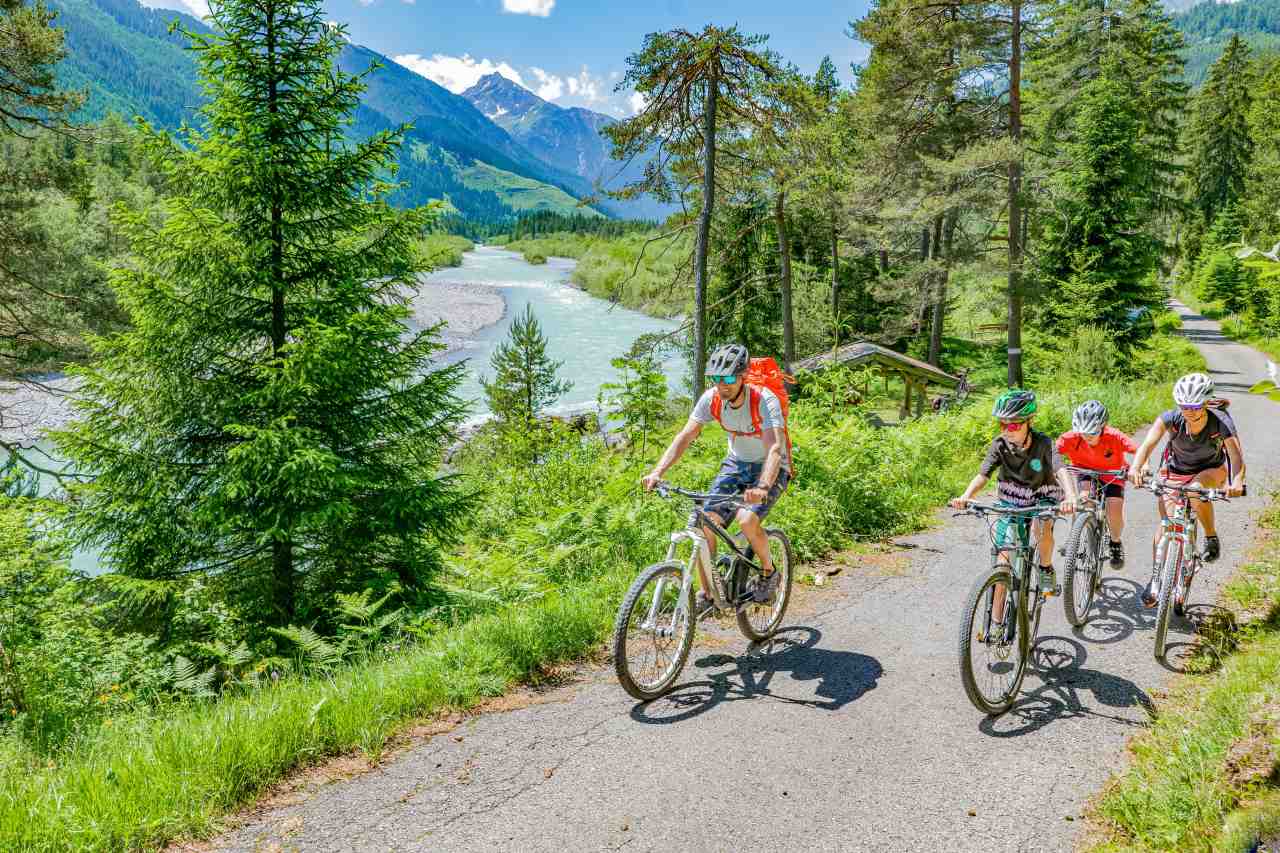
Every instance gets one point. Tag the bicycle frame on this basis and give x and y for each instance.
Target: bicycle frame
(700, 556)
(1178, 527)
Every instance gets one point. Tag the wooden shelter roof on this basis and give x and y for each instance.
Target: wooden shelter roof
(865, 352)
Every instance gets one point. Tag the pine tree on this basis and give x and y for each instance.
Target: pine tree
(266, 420)
(1219, 141)
(698, 88)
(30, 49)
(524, 377)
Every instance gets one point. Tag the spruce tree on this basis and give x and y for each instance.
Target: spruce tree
(524, 377)
(267, 420)
(1098, 255)
(1262, 180)
(1219, 141)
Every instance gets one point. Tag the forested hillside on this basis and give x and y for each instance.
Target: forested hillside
(124, 56)
(1208, 27)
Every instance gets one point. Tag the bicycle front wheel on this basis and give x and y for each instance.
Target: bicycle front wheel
(759, 621)
(1080, 576)
(653, 632)
(993, 654)
(1168, 580)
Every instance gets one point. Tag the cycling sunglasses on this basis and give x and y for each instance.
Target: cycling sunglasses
(1012, 426)
(726, 379)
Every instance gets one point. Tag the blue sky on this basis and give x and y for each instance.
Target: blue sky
(572, 52)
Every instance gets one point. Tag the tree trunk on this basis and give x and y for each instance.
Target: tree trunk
(784, 252)
(281, 547)
(835, 280)
(704, 233)
(1015, 376)
(940, 298)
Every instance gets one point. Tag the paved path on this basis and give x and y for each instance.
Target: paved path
(851, 733)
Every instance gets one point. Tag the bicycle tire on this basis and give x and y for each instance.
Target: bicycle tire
(1018, 649)
(1168, 575)
(754, 632)
(1079, 575)
(682, 633)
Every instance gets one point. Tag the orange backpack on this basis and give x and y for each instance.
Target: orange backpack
(761, 373)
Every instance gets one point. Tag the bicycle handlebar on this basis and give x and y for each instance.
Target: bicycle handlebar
(1162, 487)
(981, 509)
(666, 490)
(1097, 474)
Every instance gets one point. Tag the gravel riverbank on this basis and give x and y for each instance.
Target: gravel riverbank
(28, 409)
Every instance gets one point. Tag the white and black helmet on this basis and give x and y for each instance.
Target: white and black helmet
(1089, 418)
(1194, 389)
(728, 360)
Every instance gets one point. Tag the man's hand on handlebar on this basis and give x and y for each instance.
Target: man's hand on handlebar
(651, 480)
(1138, 476)
(754, 496)
(959, 503)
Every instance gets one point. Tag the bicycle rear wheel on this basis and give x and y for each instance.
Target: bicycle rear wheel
(1168, 580)
(993, 656)
(1080, 575)
(653, 632)
(758, 621)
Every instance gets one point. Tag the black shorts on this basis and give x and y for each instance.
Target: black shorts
(1109, 490)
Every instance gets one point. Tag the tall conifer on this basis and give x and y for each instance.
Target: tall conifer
(267, 420)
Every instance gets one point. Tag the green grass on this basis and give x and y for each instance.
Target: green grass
(612, 268)
(444, 250)
(519, 193)
(1178, 793)
(535, 582)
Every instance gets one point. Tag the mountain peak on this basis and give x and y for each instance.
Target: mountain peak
(500, 99)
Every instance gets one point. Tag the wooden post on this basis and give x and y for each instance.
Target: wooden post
(905, 411)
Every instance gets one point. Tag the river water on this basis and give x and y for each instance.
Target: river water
(583, 332)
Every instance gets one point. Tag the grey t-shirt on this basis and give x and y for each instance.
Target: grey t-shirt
(744, 447)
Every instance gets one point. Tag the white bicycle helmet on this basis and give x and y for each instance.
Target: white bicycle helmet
(1194, 389)
(1090, 418)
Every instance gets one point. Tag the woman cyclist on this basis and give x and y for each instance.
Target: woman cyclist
(1030, 472)
(1203, 448)
(1094, 445)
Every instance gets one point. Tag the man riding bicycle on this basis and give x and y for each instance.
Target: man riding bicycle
(757, 467)
(1031, 473)
(1094, 445)
(1204, 448)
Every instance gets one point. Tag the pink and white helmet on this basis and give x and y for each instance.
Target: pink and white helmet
(1194, 389)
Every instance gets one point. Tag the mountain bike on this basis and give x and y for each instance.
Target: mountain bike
(1090, 534)
(654, 629)
(961, 392)
(1177, 556)
(1002, 615)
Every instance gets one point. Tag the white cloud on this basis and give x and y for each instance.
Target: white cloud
(637, 102)
(457, 73)
(537, 8)
(550, 86)
(586, 87)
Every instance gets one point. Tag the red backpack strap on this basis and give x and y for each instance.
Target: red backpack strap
(754, 403)
(753, 406)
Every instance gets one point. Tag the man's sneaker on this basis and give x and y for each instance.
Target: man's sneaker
(1048, 582)
(1152, 592)
(767, 588)
(1117, 555)
(1212, 548)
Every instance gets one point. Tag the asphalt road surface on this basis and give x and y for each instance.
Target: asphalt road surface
(850, 732)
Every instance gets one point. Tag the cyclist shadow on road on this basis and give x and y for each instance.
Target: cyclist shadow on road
(1198, 639)
(1059, 664)
(842, 678)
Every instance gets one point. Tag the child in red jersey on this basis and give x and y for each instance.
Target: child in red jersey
(1094, 445)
